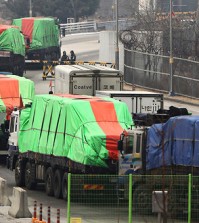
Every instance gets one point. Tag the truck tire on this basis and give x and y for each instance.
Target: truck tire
(15, 70)
(30, 184)
(65, 186)
(49, 182)
(142, 199)
(21, 70)
(19, 174)
(57, 183)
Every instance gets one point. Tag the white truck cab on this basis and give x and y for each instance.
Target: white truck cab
(13, 128)
(130, 147)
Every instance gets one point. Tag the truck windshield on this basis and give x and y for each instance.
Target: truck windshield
(128, 144)
(12, 124)
(138, 143)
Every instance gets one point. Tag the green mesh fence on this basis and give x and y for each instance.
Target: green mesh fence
(134, 198)
(195, 199)
(160, 197)
(98, 198)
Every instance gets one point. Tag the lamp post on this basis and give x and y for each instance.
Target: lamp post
(30, 8)
(117, 44)
(171, 92)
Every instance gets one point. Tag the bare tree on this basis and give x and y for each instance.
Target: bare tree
(152, 25)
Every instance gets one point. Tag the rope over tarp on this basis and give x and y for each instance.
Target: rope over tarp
(84, 129)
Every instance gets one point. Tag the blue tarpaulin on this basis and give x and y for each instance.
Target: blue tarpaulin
(175, 142)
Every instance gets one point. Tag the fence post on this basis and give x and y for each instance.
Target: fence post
(68, 203)
(189, 198)
(95, 26)
(130, 198)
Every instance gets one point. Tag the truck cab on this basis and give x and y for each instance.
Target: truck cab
(130, 146)
(13, 128)
(13, 139)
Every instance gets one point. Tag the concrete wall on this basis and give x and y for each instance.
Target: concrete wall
(108, 47)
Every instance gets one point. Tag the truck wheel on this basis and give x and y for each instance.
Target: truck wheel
(16, 70)
(29, 183)
(57, 183)
(142, 199)
(49, 181)
(19, 174)
(65, 186)
(20, 71)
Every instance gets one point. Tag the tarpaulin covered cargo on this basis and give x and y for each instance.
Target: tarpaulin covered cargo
(11, 40)
(42, 32)
(175, 142)
(15, 91)
(84, 129)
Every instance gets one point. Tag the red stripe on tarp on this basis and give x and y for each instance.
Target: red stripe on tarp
(106, 117)
(27, 27)
(5, 27)
(9, 94)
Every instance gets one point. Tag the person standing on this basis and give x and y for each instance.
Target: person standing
(72, 56)
(64, 57)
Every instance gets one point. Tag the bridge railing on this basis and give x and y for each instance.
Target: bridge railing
(78, 27)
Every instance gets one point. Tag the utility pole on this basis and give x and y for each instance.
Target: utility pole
(30, 8)
(117, 44)
(171, 93)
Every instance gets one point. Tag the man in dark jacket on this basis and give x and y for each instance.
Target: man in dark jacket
(64, 57)
(72, 56)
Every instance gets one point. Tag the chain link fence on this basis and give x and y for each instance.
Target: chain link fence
(153, 71)
(134, 198)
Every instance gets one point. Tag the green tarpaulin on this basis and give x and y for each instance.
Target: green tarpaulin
(42, 32)
(15, 91)
(12, 40)
(84, 129)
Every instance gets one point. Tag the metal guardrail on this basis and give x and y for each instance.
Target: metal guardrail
(77, 27)
(152, 71)
(67, 28)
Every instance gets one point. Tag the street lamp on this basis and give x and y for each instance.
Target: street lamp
(117, 44)
(171, 92)
(30, 8)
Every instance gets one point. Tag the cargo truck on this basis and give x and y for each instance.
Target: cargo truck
(137, 101)
(15, 92)
(86, 79)
(12, 50)
(42, 37)
(160, 157)
(65, 134)
(61, 134)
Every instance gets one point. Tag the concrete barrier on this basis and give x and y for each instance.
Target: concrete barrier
(19, 206)
(4, 200)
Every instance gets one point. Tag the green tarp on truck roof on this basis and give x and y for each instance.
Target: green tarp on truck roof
(84, 129)
(15, 91)
(42, 32)
(12, 40)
